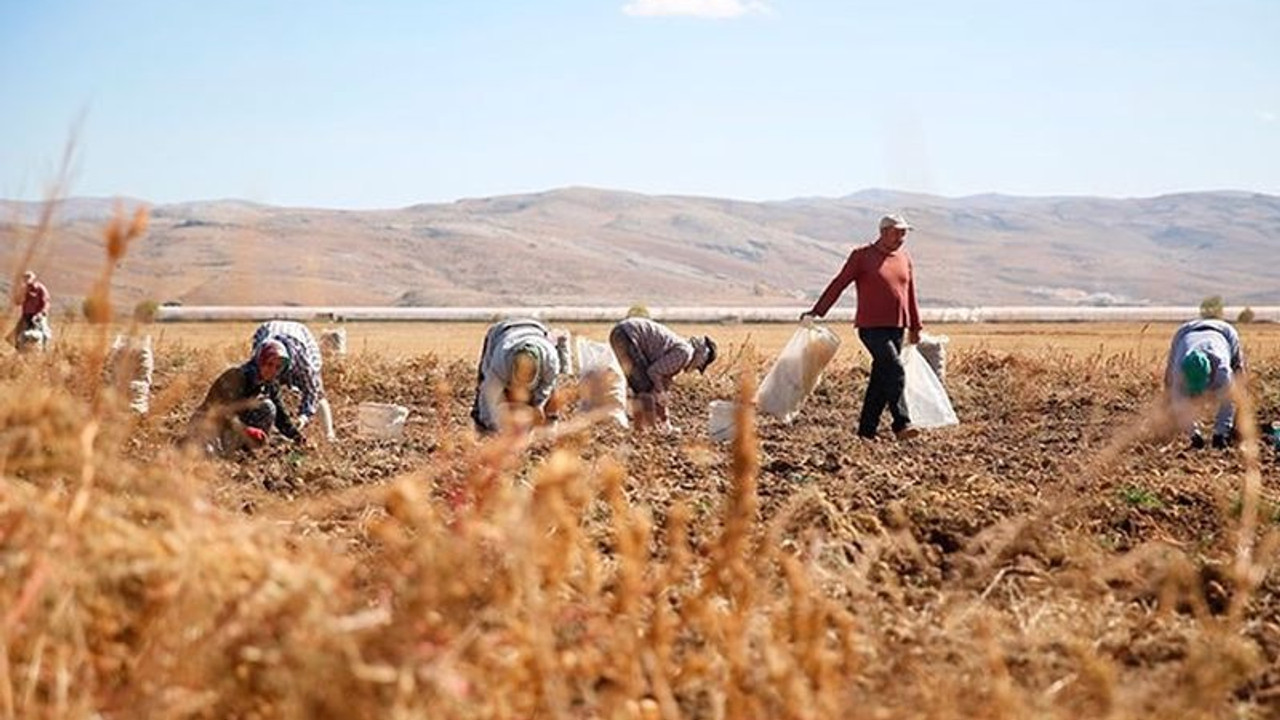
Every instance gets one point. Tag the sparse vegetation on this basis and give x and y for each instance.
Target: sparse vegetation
(1140, 497)
(1212, 307)
(562, 579)
(987, 571)
(638, 311)
(145, 311)
(1246, 316)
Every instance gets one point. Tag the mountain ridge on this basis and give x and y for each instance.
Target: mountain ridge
(585, 245)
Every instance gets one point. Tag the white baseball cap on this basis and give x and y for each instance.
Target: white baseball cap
(895, 221)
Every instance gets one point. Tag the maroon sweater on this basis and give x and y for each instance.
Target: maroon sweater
(886, 289)
(35, 300)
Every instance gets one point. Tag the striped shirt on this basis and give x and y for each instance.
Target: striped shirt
(304, 361)
(663, 353)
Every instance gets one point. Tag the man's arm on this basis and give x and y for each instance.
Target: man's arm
(548, 372)
(837, 286)
(913, 309)
(1237, 351)
(675, 359)
(43, 293)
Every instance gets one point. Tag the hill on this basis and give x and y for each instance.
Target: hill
(589, 246)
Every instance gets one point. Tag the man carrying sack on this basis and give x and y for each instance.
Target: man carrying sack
(886, 290)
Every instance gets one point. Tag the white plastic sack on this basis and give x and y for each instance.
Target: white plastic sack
(720, 420)
(927, 400)
(797, 371)
(381, 420)
(131, 362)
(333, 341)
(602, 385)
(934, 350)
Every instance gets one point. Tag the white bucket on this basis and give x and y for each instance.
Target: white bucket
(720, 420)
(381, 420)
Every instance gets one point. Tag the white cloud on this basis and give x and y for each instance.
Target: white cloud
(1267, 116)
(695, 8)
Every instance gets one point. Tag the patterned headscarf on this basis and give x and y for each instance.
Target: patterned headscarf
(273, 347)
(704, 352)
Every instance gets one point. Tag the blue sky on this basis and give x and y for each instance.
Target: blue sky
(385, 104)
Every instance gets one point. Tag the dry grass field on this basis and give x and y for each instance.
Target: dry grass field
(1057, 555)
(462, 340)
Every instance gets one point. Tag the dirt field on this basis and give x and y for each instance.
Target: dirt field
(1060, 554)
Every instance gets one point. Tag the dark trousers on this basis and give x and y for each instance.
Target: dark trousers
(260, 413)
(887, 380)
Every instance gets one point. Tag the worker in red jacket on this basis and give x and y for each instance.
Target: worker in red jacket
(33, 323)
(886, 288)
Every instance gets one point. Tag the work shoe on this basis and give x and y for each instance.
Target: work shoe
(906, 433)
(1197, 440)
(1220, 442)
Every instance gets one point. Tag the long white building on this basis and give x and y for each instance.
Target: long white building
(248, 313)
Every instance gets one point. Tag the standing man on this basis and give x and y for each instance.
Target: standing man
(520, 362)
(886, 291)
(34, 298)
(651, 355)
(302, 373)
(1205, 356)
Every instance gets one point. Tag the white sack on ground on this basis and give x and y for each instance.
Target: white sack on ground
(130, 362)
(797, 371)
(927, 400)
(333, 341)
(602, 386)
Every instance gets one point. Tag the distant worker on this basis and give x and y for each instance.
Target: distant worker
(886, 293)
(1204, 357)
(520, 363)
(32, 328)
(303, 372)
(243, 404)
(651, 355)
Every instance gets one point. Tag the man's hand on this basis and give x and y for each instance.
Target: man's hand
(255, 434)
(913, 337)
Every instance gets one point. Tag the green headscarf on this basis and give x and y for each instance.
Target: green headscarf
(1195, 372)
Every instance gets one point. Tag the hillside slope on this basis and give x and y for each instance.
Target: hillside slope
(589, 246)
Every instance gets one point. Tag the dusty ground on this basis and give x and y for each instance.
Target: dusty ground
(1107, 563)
